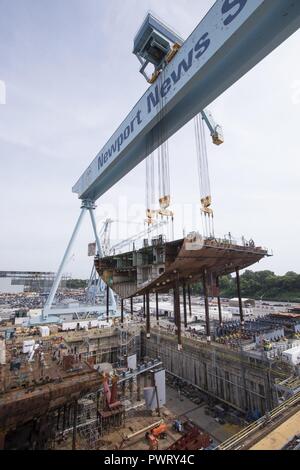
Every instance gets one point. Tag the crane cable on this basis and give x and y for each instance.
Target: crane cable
(163, 156)
(163, 168)
(207, 214)
(150, 188)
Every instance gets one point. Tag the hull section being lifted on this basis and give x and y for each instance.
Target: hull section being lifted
(155, 268)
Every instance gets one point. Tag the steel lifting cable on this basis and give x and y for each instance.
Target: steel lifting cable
(163, 156)
(160, 141)
(147, 185)
(200, 172)
(152, 180)
(150, 183)
(163, 166)
(166, 168)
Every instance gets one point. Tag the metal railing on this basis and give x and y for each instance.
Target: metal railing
(236, 442)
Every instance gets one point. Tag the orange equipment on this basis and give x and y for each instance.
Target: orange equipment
(160, 431)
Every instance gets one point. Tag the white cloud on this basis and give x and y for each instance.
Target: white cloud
(2, 92)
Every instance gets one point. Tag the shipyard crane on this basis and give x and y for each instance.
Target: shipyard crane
(230, 40)
(170, 43)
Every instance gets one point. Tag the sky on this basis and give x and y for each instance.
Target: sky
(70, 79)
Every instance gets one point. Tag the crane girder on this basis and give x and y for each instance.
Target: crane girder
(231, 39)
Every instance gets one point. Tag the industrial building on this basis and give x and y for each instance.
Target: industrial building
(14, 282)
(74, 389)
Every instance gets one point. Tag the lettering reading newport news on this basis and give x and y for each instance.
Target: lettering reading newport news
(104, 157)
(233, 8)
(200, 48)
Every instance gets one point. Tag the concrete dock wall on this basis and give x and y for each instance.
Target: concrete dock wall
(225, 374)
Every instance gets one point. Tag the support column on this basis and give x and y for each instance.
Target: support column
(206, 307)
(98, 402)
(107, 303)
(122, 312)
(131, 389)
(219, 301)
(238, 284)
(145, 380)
(75, 425)
(66, 256)
(131, 308)
(157, 309)
(64, 417)
(184, 305)
(67, 415)
(177, 313)
(148, 323)
(2, 440)
(190, 301)
(138, 388)
(91, 207)
(144, 306)
(58, 418)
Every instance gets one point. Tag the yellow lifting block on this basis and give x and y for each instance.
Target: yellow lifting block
(164, 202)
(173, 52)
(206, 203)
(218, 139)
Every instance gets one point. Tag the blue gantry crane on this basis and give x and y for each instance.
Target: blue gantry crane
(231, 39)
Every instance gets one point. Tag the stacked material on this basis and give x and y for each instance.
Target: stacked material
(292, 355)
(2, 352)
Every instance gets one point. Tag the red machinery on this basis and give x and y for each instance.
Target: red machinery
(111, 395)
(194, 439)
(153, 442)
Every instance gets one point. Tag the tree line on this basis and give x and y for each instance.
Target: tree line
(261, 285)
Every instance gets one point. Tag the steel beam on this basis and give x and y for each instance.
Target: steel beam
(238, 285)
(157, 308)
(174, 307)
(184, 305)
(75, 411)
(107, 302)
(148, 321)
(190, 300)
(131, 308)
(219, 301)
(177, 312)
(230, 40)
(122, 311)
(207, 320)
(66, 256)
(92, 208)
